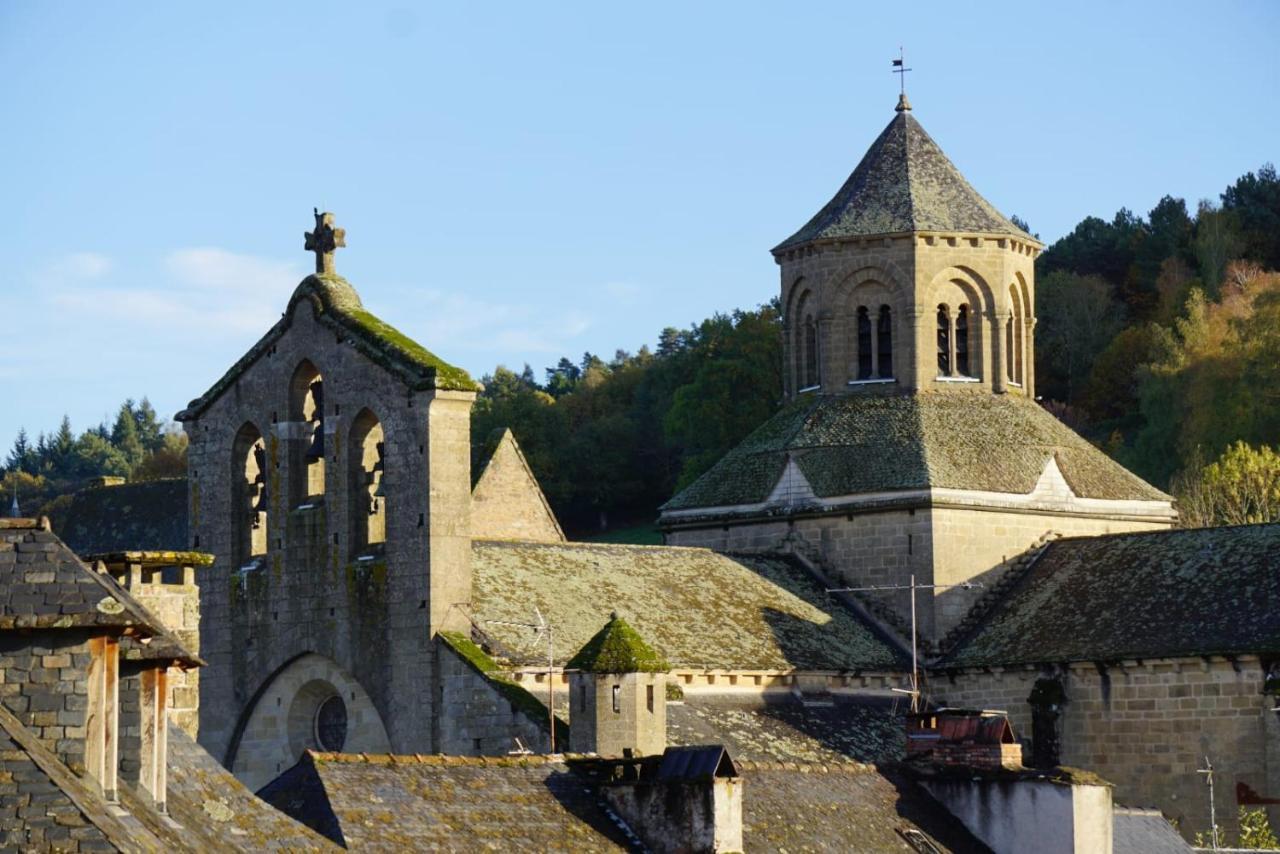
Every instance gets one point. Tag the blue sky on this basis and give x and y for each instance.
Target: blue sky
(520, 182)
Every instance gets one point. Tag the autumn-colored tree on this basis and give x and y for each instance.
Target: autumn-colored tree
(1241, 487)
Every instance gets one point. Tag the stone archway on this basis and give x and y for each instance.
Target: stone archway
(310, 704)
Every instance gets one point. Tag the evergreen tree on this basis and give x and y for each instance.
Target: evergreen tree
(124, 435)
(150, 430)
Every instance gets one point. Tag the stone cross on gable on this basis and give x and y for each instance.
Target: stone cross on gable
(324, 240)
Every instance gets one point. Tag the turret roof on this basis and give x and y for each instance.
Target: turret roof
(618, 648)
(903, 184)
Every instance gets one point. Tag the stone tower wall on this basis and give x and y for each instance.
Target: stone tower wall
(308, 593)
(912, 274)
(595, 726)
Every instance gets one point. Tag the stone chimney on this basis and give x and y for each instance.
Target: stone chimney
(617, 695)
(687, 800)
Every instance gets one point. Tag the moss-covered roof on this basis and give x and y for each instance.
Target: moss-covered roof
(904, 183)
(695, 607)
(516, 694)
(617, 648)
(1191, 592)
(854, 444)
(338, 306)
(146, 516)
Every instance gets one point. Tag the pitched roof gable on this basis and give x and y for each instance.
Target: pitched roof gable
(904, 183)
(617, 648)
(338, 306)
(507, 502)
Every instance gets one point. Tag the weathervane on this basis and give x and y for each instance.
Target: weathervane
(900, 69)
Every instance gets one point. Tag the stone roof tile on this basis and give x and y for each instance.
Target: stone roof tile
(150, 515)
(854, 444)
(1162, 594)
(694, 607)
(904, 183)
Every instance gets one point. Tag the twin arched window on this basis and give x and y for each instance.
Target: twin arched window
(875, 343)
(954, 360)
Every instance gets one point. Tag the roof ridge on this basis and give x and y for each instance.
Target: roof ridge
(905, 116)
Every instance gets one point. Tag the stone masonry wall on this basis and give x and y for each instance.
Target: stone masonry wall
(939, 545)
(1148, 727)
(177, 607)
(507, 503)
(979, 545)
(309, 594)
(477, 720)
(44, 681)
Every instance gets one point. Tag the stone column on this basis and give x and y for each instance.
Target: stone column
(999, 353)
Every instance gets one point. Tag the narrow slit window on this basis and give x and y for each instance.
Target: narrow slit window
(864, 343)
(962, 341)
(617, 699)
(884, 343)
(810, 354)
(944, 342)
(649, 697)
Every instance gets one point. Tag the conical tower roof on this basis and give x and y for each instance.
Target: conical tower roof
(903, 184)
(617, 648)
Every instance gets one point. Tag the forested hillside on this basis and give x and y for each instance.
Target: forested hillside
(1158, 339)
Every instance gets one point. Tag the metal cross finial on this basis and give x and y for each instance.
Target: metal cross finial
(900, 69)
(324, 240)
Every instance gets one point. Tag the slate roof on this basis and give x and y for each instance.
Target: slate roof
(904, 183)
(149, 515)
(44, 585)
(55, 809)
(695, 607)
(204, 795)
(404, 803)
(1138, 831)
(789, 807)
(783, 729)
(338, 307)
(867, 443)
(1189, 592)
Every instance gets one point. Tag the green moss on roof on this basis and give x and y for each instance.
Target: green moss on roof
(618, 648)
(1193, 592)
(855, 444)
(338, 306)
(470, 652)
(904, 183)
(700, 608)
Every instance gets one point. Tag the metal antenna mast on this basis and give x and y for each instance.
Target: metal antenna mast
(913, 587)
(1207, 771)
(538, 628)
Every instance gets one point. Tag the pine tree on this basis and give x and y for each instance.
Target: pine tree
(150, 431)
(124, 435)
(22, 457)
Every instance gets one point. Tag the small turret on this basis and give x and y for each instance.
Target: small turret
(618, 694)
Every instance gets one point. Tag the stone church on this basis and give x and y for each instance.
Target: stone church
(370, 593)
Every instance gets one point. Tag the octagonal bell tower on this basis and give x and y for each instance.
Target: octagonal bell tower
(908, 279)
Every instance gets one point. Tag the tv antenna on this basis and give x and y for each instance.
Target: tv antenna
(1207, 771)
(915, 658)
(538, 628)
